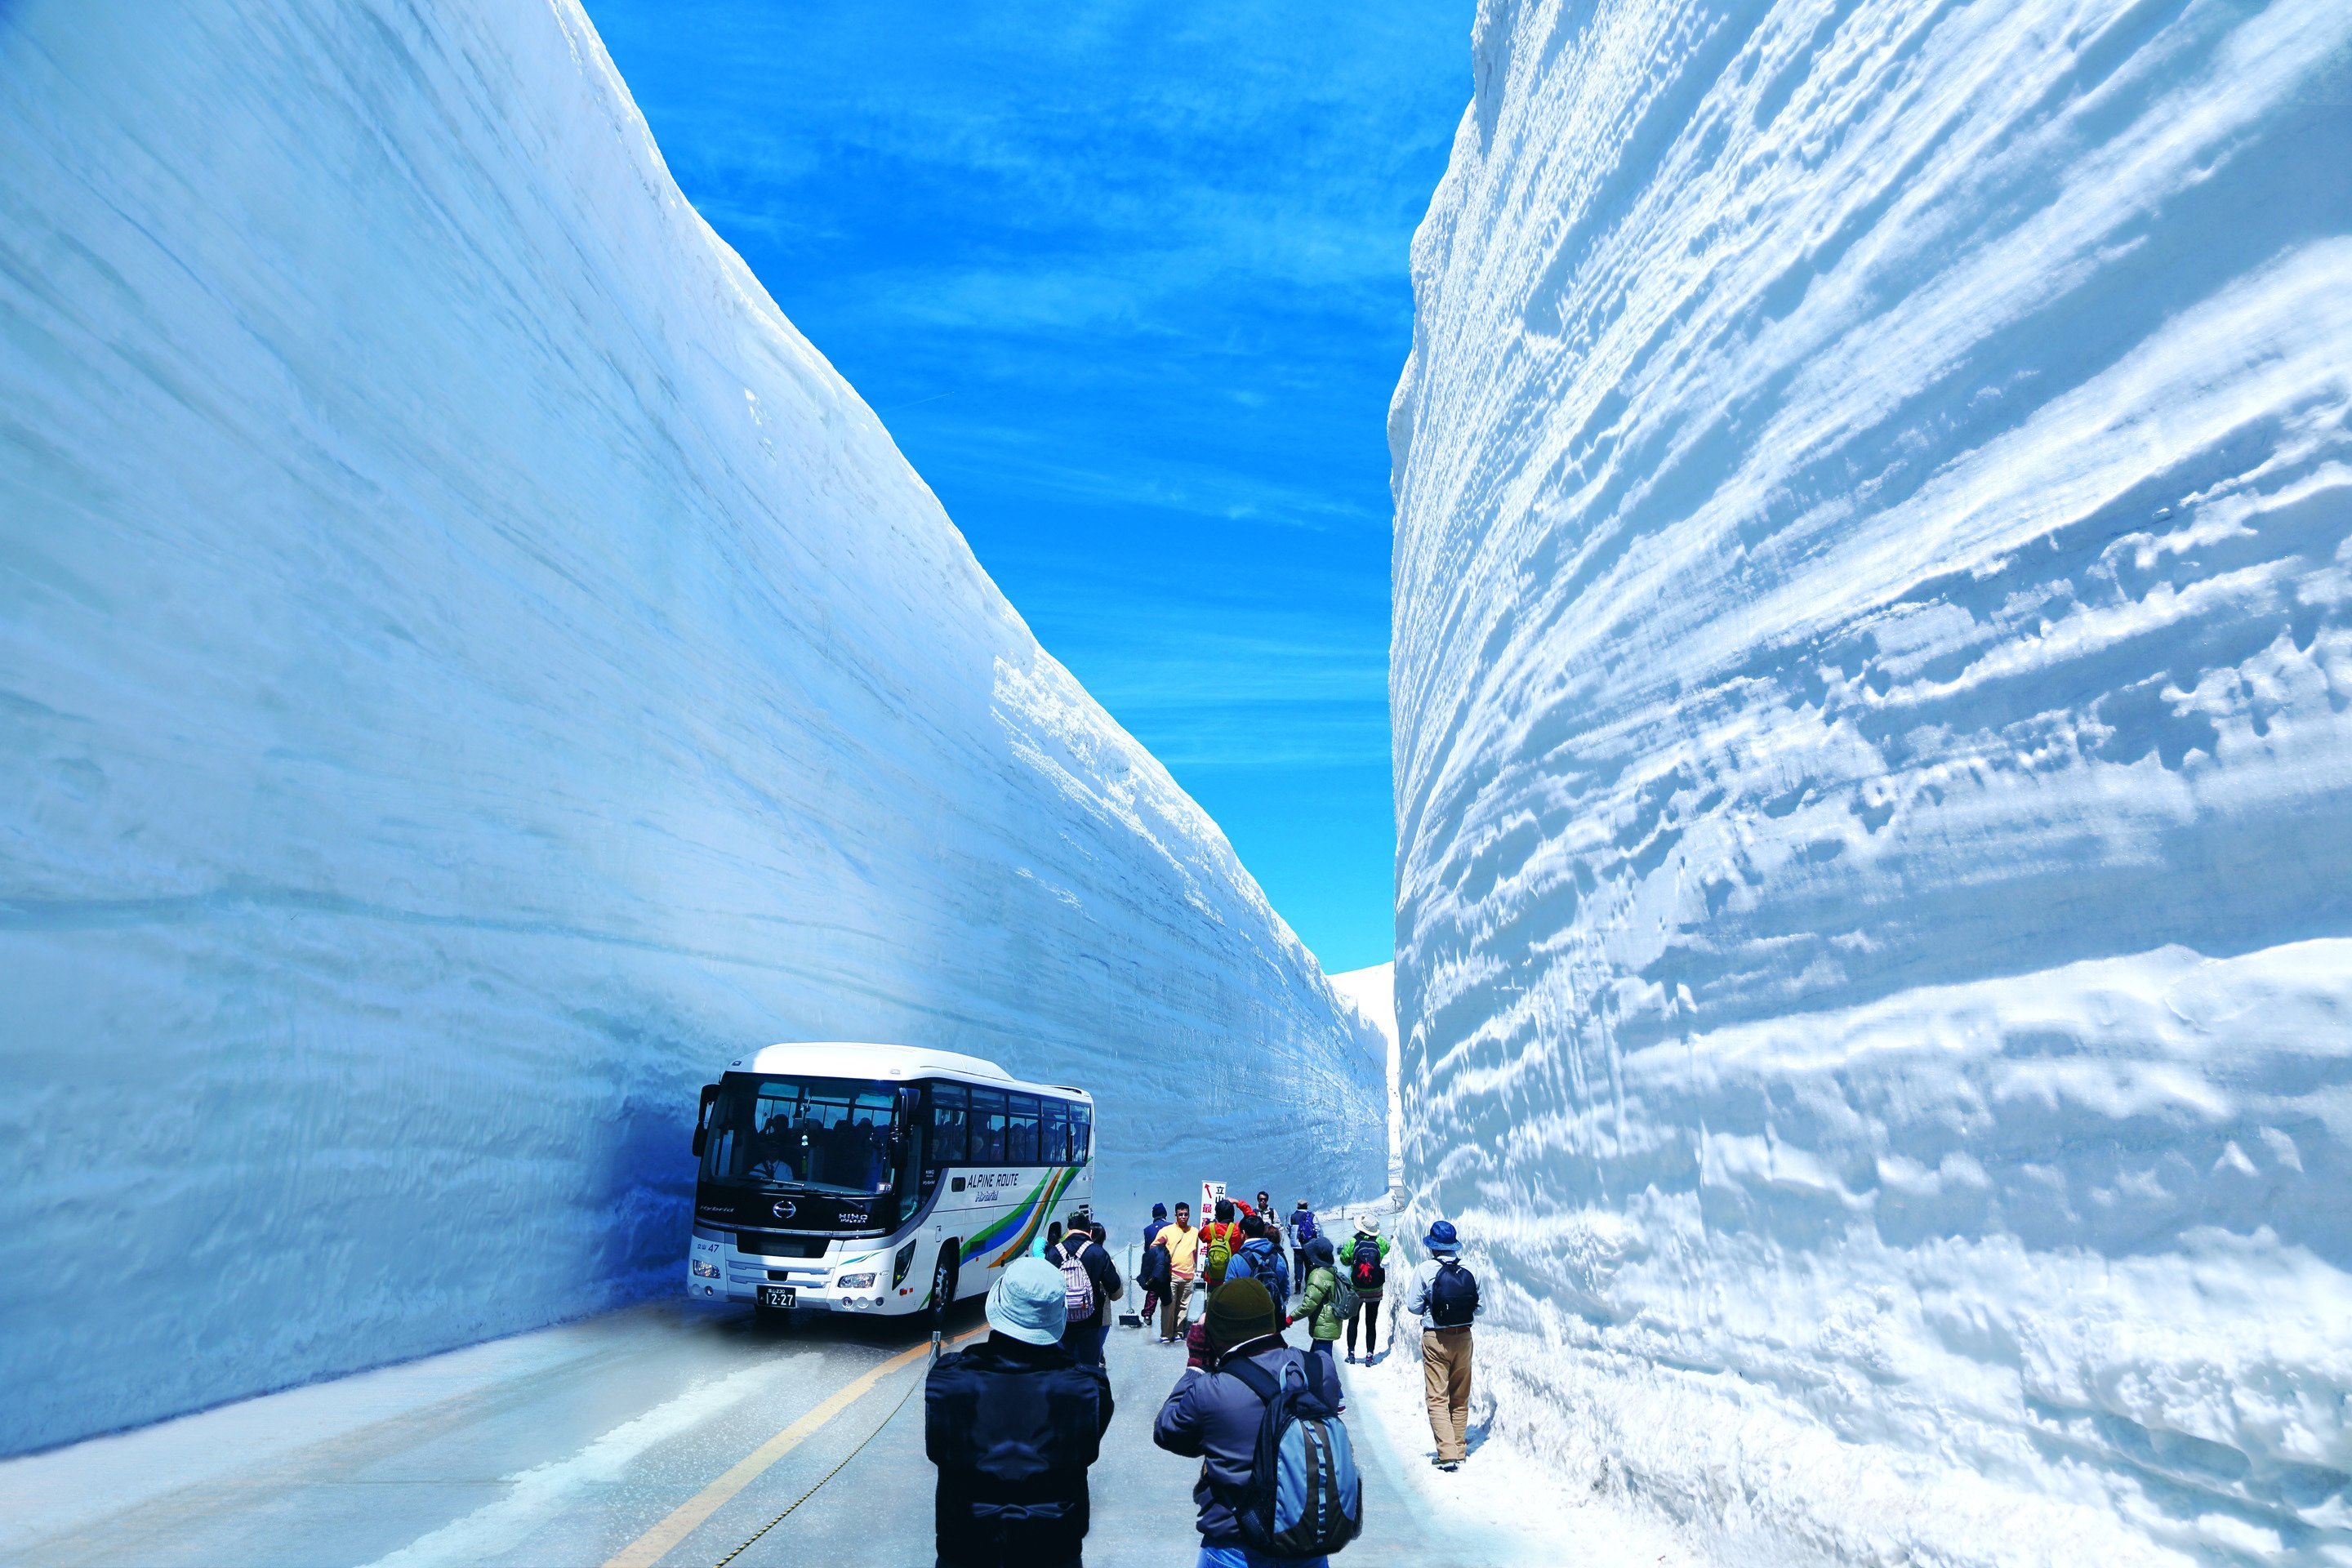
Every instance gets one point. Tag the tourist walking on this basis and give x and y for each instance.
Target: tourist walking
(1260, 1259)
(1216, 1415)
(1183, 1245)
(1445, 1298)
(1220, 1240)
(1366, 1267)
(1090, 1283)
(1303, 1229)
(1318, 1300)
(1012, 1423)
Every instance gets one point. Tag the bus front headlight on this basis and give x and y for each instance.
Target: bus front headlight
(854, 1282)
(705, 1270)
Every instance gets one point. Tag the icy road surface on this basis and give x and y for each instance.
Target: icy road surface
(574, 1444)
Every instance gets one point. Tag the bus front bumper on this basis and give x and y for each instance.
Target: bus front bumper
(716, 1272)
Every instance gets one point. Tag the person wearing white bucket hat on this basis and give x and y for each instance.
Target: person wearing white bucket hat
(1012, 1423)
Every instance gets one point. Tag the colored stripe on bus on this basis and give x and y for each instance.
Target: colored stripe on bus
(1024, 1219)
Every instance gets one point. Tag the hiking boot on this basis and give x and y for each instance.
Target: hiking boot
(1449, 1465)
(1351, 1358)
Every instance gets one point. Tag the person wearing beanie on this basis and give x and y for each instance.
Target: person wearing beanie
(1012, 1424)
(1303, 1229)
(1445, 1298)
(1214, 1417)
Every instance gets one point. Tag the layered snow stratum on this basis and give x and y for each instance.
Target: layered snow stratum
(468, 667)
(1874, 640)
(1372, 990)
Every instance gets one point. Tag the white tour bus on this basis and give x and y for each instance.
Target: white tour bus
(881, 1179)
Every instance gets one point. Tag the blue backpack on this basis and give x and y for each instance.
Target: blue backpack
(1304, 1224)
(1303, 1497)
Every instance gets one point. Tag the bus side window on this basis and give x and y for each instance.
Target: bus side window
(1021, 1130)
(946, 1124)
(1053, 1133)
(987, 1126)
(1082, 1134)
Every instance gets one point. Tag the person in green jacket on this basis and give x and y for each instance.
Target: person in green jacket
(1320, 1306)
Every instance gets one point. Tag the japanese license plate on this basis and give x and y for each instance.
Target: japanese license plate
(776, 1295)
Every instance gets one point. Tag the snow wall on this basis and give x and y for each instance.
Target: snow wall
(1874, 639)
(469, 667)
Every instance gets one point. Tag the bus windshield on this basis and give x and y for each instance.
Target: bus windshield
(820, 1134)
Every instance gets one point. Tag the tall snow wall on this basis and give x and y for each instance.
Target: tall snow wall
(469, 667)
(1871, 671)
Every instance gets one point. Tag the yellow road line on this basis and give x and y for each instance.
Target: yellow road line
(648, 1549)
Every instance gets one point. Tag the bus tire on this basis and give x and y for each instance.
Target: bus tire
(944, 1282)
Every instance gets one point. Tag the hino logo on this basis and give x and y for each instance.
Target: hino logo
(784, 1209)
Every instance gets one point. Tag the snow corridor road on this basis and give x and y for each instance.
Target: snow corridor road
(662, 1433)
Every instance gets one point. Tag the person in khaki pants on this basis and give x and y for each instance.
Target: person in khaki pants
(1446, 1296)
(1183, 1245)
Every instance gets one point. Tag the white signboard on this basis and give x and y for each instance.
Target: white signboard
(1210, 1193)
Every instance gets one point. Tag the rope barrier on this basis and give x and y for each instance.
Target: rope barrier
(836, 1469)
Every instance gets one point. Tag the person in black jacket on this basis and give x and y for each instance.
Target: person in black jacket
(1083, 1243)
(1012, 1423)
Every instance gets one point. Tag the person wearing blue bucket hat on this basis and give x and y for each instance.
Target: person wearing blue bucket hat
(1445, 1298)
(1012, 1424)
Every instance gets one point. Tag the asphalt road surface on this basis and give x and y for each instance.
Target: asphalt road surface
(666, 1434)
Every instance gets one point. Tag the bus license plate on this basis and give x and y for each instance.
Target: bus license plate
(776, 1295)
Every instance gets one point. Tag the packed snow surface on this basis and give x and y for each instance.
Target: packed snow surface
(469, 668)
(1872, 666)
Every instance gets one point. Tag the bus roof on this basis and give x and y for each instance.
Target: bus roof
(865, 1059)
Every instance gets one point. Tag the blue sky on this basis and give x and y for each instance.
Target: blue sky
(1129, 286)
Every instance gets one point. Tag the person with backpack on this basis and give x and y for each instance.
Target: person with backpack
(1090, 1283)
(1220, 1240)
(1012, 1424)
(1364, 1269)
(1302, 1228)
(1279, 1482)
(1260, 1259)
(1445, 1298)
(1152, 1274)
(1319, 1301)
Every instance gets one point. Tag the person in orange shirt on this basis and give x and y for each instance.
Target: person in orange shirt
(1224, 1235)
(1183, 1245)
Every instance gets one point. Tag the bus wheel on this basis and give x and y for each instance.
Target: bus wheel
(943, 1284)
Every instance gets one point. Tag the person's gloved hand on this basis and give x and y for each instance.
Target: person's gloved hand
(1196, 1346)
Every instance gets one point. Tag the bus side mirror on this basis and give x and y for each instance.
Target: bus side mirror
(702, 1118)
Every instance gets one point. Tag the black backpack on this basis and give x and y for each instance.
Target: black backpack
(1368, 1273)
(1452, 1295)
